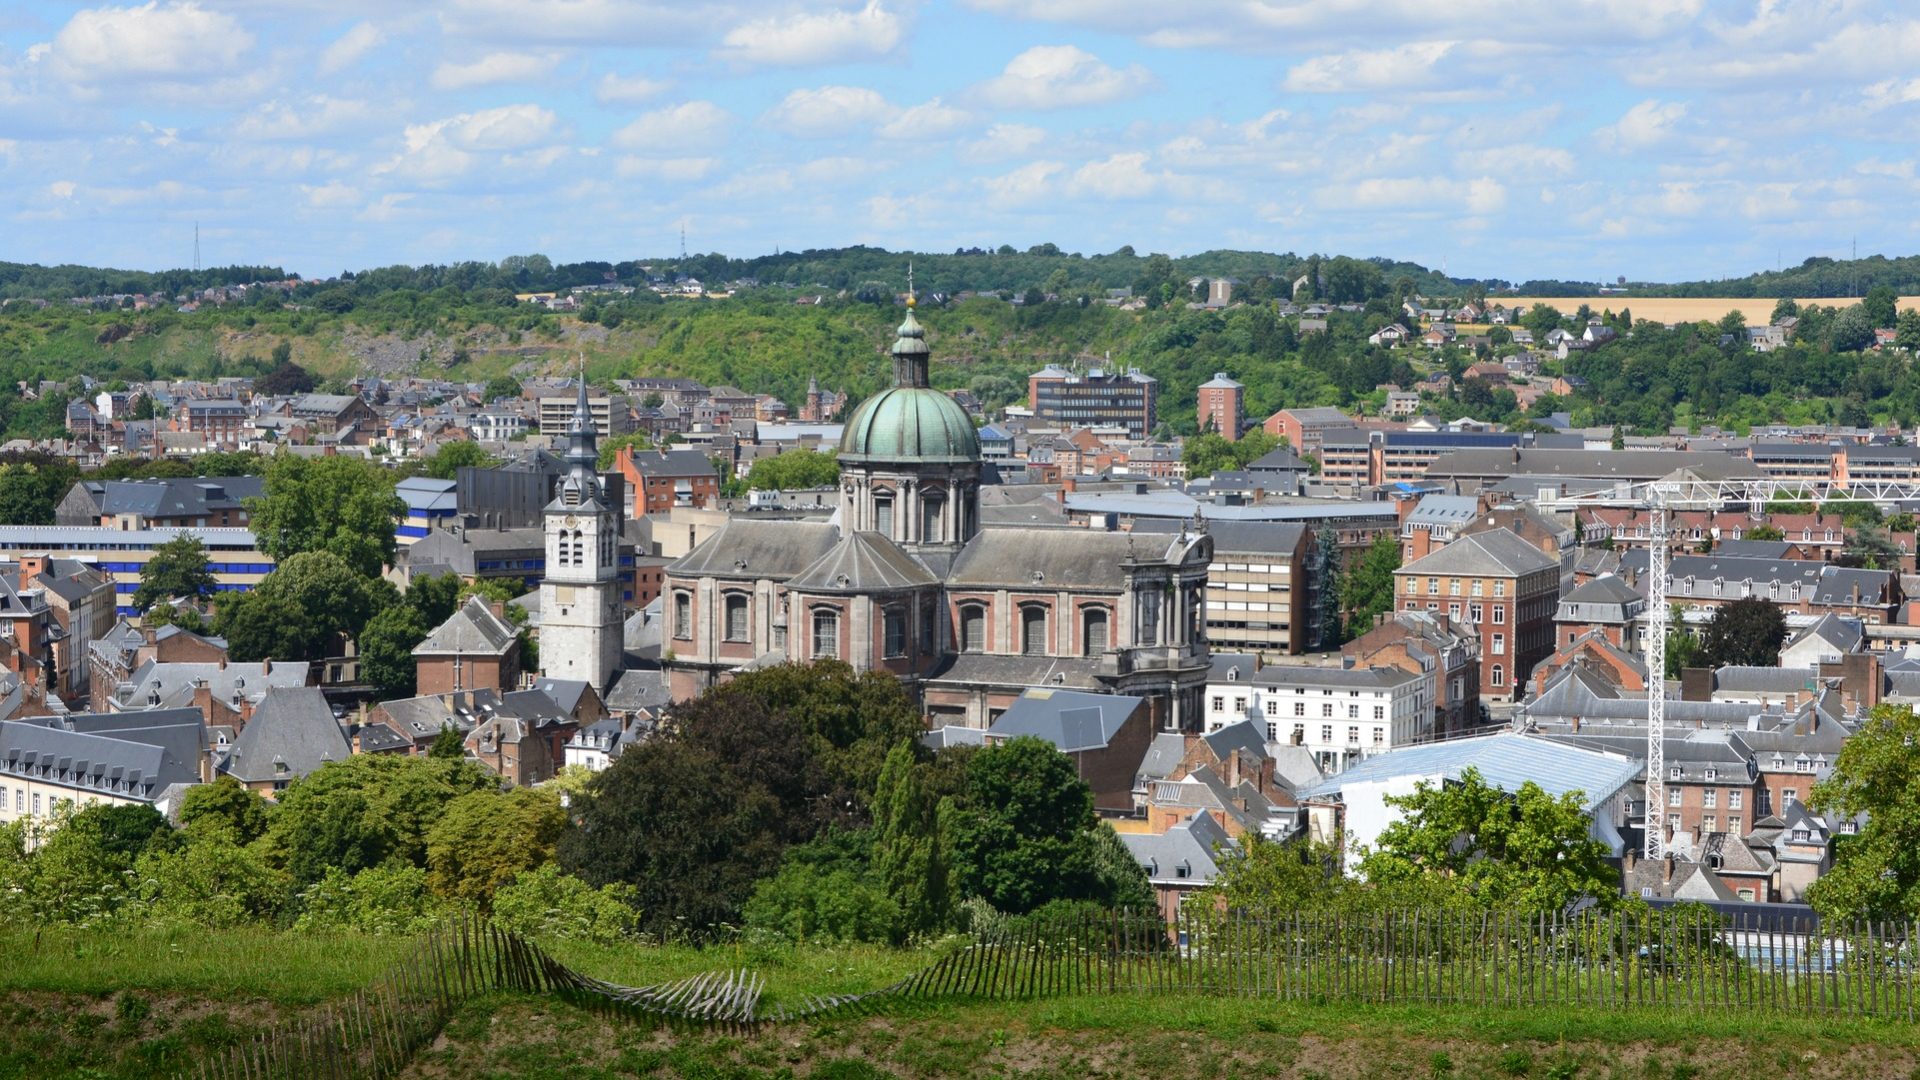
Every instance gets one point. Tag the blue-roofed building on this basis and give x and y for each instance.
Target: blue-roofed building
(1106, 735)
(122, 554)
(1352, 804)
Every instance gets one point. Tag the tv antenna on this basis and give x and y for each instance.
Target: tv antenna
(196, 247)
(683, 241)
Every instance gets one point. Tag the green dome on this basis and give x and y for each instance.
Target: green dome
(910, 423)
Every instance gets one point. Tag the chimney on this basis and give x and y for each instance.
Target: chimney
(1666, 876)
(266, 666)
(203, 699)
(1233, 769)
(31, 567)
(223, 661)
(1576, 725)
(1627, 860)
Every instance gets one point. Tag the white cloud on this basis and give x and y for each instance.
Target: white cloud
(349, 47)
(829, 37)
(1646, 124)
(387, 209)
(331, 195)
(444, 149)
(1122, 176)
(677, 170)
(62, 189)
(1062, 76)
(828, 111)
(493, 69)
(1360, 70)
(311, 118)
(1437, 194)
(1025, 185)
(1003, 142)
(1678, 200)
(676, 129)
(153, 42)
(616, 89)
(928, 120)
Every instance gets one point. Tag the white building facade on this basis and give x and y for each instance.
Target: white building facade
(1340, 714)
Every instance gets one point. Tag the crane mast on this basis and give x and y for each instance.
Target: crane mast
(1658, 539)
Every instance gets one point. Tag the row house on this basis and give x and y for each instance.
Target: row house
(1338, 714)
(223, 422)
(1704, 582)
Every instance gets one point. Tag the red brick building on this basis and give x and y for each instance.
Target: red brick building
(1499, 585)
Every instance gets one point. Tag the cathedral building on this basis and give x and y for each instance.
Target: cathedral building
(904, 579)
(580, 614)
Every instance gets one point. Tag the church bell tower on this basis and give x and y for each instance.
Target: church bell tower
(580, 616)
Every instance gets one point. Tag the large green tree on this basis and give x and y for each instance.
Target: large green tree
(1023, 833)
(365, 811)
(1524, 850)
(1745, 633)
(386, 649)
(178, 568)
(1366, 591)
(485, 839)
(1876, 874)
(341, 505)
(794, 470)
(446, 462)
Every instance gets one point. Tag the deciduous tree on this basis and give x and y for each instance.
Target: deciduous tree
(340, 505)
(178, 568)
(1876, 874)
(1746, 633)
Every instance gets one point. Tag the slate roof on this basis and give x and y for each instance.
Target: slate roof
(747, 548)
(292, 733)
(1443, 510)
(1082, 558)
(1605, 589)
(156, 685)
(1186, 854)
(1495, 552)
(863, 562)
(131, 763)
(1018, 671)
(472, 630)
(1068, 719)
(177, 497)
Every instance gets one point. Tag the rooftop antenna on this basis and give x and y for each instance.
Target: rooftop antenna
(683, 241)
(196, 247)
(910, 296)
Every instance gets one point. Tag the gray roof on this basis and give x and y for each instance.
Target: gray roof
(1068, 719)
(292, 733)
(747, 548)
(1056, 557)
(1443, 510)
(1186, 854)
(1605, 589)
(1496, 552)
(130, 762)
(638, 689)
(178, 497)
(472, 630)
(863, 562)
(1616, 464)
(1339, 678)
(1164, 754)
(158, 685)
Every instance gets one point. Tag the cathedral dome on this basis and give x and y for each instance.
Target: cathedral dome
(910, 423)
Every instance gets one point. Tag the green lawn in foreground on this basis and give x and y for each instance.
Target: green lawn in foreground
(1127, 1037)
(246, 962)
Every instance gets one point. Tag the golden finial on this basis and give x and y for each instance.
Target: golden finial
(912, 300)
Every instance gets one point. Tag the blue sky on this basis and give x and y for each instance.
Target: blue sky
(1659, 139)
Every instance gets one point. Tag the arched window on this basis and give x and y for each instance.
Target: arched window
(883, 515)
(933, 508)
(736, 617)
(826, 633)
(973, 628)
(1499, 675)
(1093, 630)
(1033, 630)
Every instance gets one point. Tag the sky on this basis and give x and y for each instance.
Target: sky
(1581, 139)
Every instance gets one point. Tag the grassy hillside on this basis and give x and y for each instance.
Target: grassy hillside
(121, 1002)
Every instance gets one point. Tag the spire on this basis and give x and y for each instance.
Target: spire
(582, 483)
(910, 351)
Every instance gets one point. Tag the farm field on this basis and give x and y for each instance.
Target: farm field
(1682, 308)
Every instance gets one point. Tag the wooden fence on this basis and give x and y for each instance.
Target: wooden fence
(1676, 957)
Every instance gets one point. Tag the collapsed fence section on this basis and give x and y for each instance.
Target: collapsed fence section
(1684, 956)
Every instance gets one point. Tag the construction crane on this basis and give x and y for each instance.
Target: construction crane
(1658, 499)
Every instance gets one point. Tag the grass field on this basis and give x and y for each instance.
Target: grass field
(1680, 308)
(118, 1002)
(1092, 1038)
